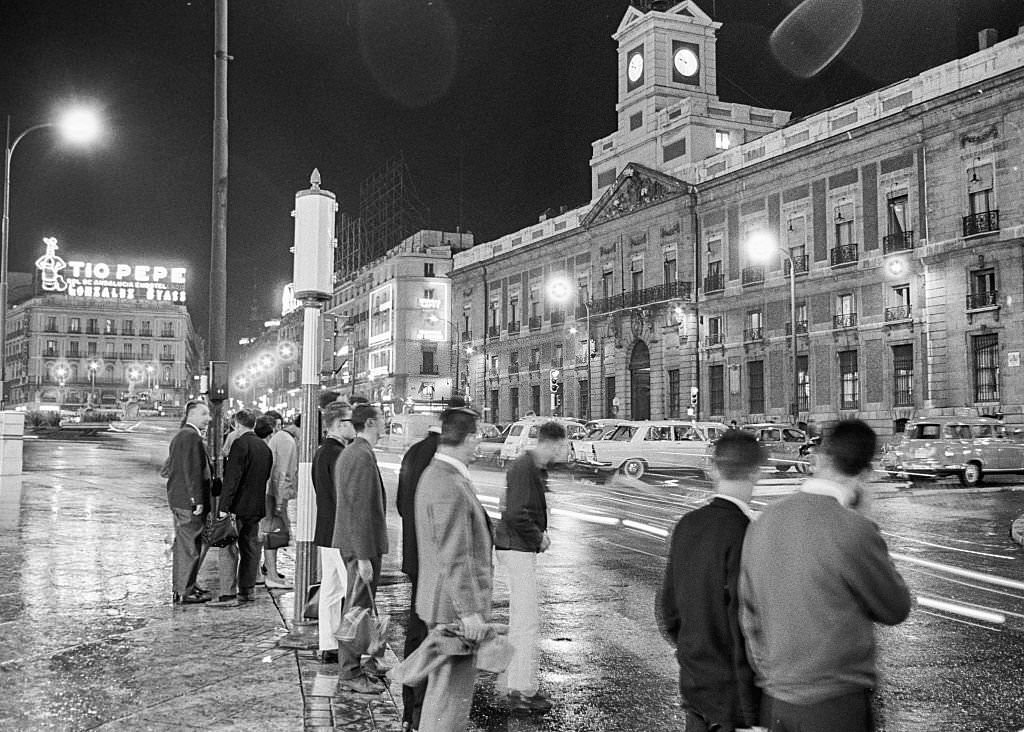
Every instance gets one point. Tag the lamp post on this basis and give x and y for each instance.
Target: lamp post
(61, 372)
(761, 245)
(94, 366)
(78, 125)
(561, 291)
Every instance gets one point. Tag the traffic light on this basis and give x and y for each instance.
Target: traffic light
(555, 373)
(218, 381)
(693, 396)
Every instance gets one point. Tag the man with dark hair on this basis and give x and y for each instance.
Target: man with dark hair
(333, 576)
(455, 574)
(360, 532)
(188, 473)
(816, 574)
(414, 462)
(519, 537)
(698, 605)
(244, 494)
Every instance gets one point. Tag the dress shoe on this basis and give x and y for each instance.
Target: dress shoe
(192, 598)
(527, 704)
(224, 601)
(247, 596)
(328, 657)
(361, 684)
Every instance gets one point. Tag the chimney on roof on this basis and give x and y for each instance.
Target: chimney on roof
(987, 38)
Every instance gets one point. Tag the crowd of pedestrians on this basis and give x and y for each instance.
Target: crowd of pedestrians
(772, 619)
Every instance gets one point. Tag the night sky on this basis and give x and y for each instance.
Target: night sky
(494, 104)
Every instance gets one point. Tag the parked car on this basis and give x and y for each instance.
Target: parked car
(634, 448)
(785, 446)
(522, 436)
(967, 447)
(491, 440)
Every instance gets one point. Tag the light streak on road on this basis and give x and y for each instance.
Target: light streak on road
(646, 528)
(486, 499)
(957, 608)
(950, 580)
(964, 622)
(588, 517)
(632, 549)
(948, 548)
(969, 573)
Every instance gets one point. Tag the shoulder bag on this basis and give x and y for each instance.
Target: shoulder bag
(219, 532)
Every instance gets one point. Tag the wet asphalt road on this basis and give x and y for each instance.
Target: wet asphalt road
(602, 659)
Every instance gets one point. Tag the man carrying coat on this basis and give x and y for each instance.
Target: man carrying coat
(360, 532)
(453, 534)
(188, 496)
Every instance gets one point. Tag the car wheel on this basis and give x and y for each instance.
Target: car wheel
(972, 475)
(633, 468)
(782, 468)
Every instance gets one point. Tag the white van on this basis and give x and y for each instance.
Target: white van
(523, 436)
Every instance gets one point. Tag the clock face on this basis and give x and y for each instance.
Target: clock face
(686, 62)
(635, 69)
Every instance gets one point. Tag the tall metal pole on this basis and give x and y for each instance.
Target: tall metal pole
(590, 375)
(695, 224)
(792, 318)
(219, 233)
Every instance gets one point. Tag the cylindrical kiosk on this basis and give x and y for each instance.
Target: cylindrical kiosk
(315, 211)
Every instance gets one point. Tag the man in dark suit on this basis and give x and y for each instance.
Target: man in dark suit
(455, 570)
(188, 496)
(414, 462)
(698, 606)
(360, 532)
(337, 418)
(244, 494)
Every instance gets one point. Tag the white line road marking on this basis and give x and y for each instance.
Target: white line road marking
(950, 548)
(589, 517)
(969, 573)
(970, 611)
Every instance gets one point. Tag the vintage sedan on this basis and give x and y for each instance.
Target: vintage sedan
(522, 436)
(634, 448)
(488, 449)
(785, 446)
(966, 447)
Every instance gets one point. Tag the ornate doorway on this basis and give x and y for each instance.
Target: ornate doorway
(640, 382)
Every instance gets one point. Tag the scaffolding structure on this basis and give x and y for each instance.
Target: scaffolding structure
(390, 210)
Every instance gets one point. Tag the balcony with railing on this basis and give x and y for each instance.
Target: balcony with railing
(714, 283)
(92, 330)
(844, 320)
(982, 300)
(846, 254)
(167, 333)
(428, 369)
(752, 275)
(981, 223)
(646, 296)
(467, 335)
(802, 264)
(557, 363)
(753, 334)
(897, 313)
(146, 333)
(801, 328)
(494, 331)
(163, 356)
(514, 327)
(898, 242)
(714, 339)
(534, 365)
(535, 322)
(50, 353)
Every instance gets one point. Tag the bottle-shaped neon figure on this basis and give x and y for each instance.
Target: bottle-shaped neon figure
(50, 265)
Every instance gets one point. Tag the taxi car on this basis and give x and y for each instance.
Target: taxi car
(966, 447)
(522, 436)
(488, 449)
(634, 448)
(785, 446)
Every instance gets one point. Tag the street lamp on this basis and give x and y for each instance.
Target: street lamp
(94, 366)
(134, 376)
(561, 291)
(61, 372)
(79, 125)
(149, 372)
(761, 245)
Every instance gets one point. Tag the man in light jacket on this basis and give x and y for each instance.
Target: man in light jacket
(360, 532)
(815, 576)
(453, 534)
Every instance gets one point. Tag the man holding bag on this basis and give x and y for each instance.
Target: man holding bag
(360, 533)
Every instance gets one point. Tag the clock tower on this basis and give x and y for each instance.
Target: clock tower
(669, 115)
(664, 57)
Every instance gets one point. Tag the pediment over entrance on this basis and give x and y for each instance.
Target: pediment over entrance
(636, 187)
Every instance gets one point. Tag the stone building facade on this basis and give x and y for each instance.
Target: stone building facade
(899, 212)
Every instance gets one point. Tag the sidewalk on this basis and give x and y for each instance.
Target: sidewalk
(89, 638)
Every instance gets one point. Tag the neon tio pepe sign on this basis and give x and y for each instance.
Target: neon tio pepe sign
(109, 281)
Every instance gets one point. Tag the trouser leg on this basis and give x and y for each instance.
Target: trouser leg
(333, 587)
(524, 620)
(415, 633)
(357, 595)
(227, 568)
(186, 550)
(449, 695)
(847, 713)
(248, 552)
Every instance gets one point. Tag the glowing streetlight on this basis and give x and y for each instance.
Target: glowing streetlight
(562, 291)
(94, 366)
(761, 247)
(78, 125)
